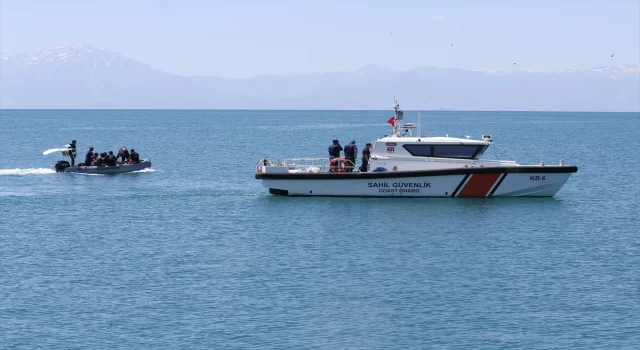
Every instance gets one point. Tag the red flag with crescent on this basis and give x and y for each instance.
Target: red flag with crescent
(391, 120)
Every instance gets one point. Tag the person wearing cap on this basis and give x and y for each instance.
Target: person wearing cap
(72, 152)
(334, 150)
(88, 157)
(350, 153)
(366, 155)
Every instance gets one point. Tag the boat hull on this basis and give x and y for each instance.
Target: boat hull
(109, 170)
(519, 181)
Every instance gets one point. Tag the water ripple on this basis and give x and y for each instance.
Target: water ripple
(196, 254)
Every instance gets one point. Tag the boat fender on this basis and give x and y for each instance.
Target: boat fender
(379, 169)
(338, 165)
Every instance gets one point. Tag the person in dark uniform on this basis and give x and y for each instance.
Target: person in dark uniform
(124, 154)
(334, 150)
(98, 161)
(72, 152)
(111, 159)
(351, 152)
(88, 157)
(366, 155)
(134, 156)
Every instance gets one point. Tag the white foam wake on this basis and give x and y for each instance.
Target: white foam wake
(29, 171)
(145, 170)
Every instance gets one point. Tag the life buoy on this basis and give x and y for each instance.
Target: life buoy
(338, 165)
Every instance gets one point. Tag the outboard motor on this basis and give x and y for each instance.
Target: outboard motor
(61, 165)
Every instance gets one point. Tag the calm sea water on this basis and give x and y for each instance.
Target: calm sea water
(196, 254)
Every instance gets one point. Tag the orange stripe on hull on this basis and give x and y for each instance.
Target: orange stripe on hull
(479, 185)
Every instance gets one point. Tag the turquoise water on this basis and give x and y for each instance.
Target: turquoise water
(196, 254)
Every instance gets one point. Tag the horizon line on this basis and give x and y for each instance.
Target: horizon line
(308, 110)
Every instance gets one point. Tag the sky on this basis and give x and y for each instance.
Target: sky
(243, 38)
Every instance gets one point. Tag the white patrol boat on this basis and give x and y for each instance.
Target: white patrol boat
(403, 165)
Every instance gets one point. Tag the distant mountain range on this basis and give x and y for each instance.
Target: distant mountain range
(91, 76)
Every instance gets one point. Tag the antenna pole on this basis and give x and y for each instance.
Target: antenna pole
(419, 124)
(396, 108)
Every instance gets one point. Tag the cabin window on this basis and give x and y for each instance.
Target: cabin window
(418, 150)
(457, 151)
(446, 151)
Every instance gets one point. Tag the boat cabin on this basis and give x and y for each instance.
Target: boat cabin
(402, 143)
(435, 147)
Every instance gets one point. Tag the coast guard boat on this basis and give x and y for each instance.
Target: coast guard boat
(403, 165)
(64, 166)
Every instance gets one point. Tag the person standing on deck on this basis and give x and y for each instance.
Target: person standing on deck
(350, 153)
(366, 155)
(334, 150)
(72, 152)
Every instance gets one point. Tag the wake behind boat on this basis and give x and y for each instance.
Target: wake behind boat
(402, 165)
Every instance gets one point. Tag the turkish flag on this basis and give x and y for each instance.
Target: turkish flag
(391, 120)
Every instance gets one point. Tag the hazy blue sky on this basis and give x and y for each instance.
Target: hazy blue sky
(244, 38)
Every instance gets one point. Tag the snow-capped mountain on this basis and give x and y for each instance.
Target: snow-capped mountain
(84, 58)
(92, 76)
(64, 55)
(628, 69)
(623, 69)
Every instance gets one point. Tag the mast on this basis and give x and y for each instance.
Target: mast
(397, 116)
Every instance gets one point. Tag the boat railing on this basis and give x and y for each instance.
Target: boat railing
(496, 161)
(303, 165)
(313, 165)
